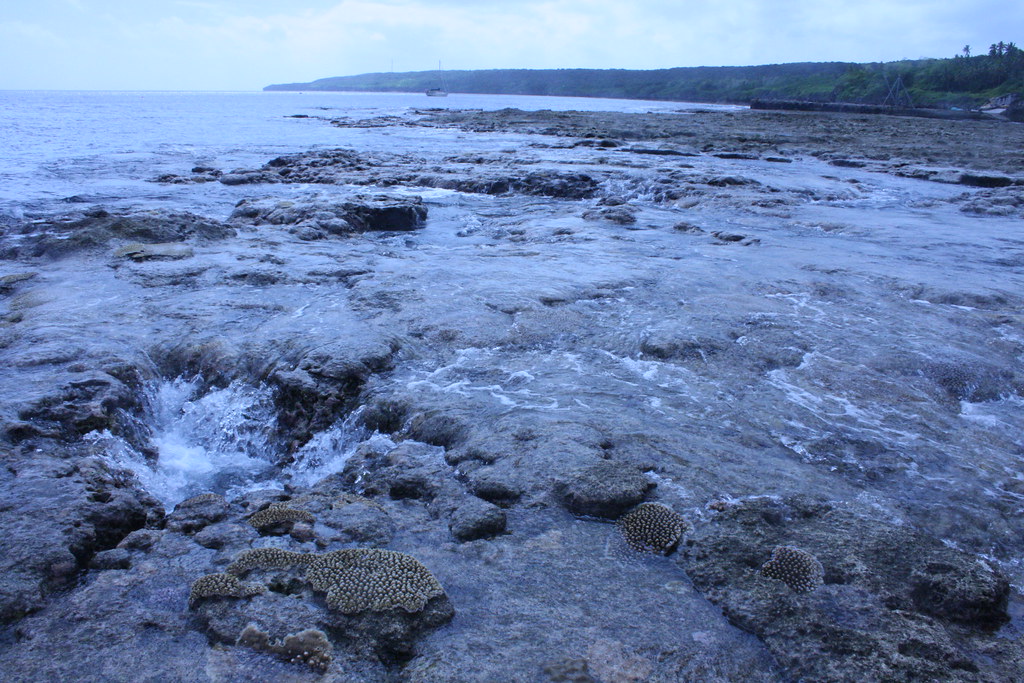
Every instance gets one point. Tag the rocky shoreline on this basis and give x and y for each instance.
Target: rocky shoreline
(790, 330)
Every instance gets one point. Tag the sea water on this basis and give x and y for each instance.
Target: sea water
(105, 147)
(823, 347)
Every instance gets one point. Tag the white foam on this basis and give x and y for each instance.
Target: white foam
(219, 441)
(328, 452)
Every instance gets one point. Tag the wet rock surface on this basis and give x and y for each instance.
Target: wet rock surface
(895, 604)
(96, 228)
(482, 356)
(607, 489)
(338, 218)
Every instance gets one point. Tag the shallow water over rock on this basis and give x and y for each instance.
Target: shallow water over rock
(803, 353)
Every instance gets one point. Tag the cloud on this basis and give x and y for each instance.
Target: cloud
(28, 34)
(220, 44)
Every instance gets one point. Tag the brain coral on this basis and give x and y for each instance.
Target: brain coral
(800, 570)
(222, 586)
(266, 558)
(651, 526)
(360, 579)
(277, 513)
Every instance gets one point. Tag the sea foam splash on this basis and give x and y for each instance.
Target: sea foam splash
(219, 441)
(223, 440)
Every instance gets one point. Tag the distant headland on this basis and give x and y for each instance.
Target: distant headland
(963, 81)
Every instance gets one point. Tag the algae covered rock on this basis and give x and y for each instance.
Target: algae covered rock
(310, 646)
(222, 586)
(64, 235)
(378, 603)
(869, 599)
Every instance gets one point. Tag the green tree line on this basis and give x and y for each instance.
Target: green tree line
(959, 81)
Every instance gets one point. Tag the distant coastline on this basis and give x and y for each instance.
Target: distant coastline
(959, 82)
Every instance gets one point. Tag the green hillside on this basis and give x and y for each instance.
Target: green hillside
(962, 81)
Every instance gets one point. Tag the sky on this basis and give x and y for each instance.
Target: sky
(247, 44)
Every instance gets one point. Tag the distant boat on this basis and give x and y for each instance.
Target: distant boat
(443, 90)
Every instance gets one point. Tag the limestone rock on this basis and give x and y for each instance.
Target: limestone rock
(197, 512)
(475, 519)
(606, 489)
(168, 251)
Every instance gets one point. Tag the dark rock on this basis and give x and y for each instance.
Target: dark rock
(600, 144)
(848, 163)
(171, 251)
(670, 343)
(248, 178)
(358, 214)
(116, 558)
(554, 184)
(54, 518)
(606, 489)
(499, 485)
(192, 515)
(660, 152)
(92, 402)
(310, 234)
(66, 235)
(961, 591)
(623, 215)
(140, 539)
(389, 636)
(978, 180)
(312, 396)
(417, 484)
(891, 596)
(362, 522)
(475, 519)
(743, 156)
(687, 227)
(730, 181)
(437, 429)
(385, 213)
(386, 416)
(9, 283)
(225, 535)
(139, 610)
(971, 380)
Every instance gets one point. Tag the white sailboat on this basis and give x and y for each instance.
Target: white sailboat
(443, 90)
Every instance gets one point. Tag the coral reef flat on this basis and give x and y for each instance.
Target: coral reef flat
(470, 343)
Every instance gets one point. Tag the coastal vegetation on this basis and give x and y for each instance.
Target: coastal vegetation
(965, 80)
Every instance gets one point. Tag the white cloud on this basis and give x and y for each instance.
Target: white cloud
(28, 34)
(221, 44)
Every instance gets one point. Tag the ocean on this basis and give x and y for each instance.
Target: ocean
(105, 147)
